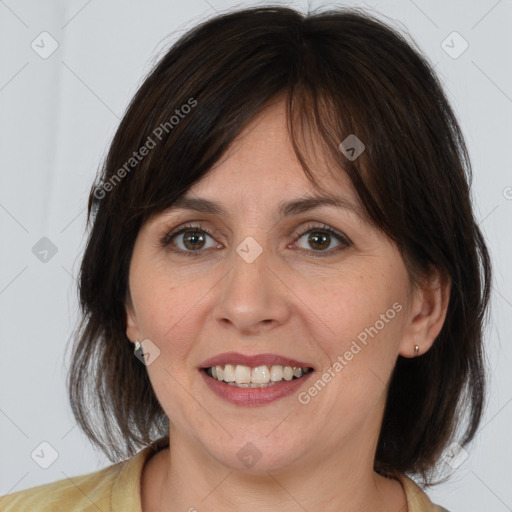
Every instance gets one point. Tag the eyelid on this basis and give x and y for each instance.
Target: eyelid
(344, 240)
(189, 226)
(324, 227)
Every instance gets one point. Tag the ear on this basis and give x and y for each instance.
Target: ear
(427, 314)
(132, 325)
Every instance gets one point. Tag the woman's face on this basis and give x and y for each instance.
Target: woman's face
(263, 279)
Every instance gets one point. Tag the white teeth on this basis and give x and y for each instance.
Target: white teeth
(229, 373)
(288, 373)
(243, 376)
(276, 373)
(260, 375)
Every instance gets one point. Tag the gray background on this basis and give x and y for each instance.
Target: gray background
(58, 115)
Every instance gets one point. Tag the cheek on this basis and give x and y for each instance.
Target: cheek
(358, 304)
(171, 313)
(161, 301)
(361, 324)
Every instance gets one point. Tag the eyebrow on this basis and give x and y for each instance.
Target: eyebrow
(285, 209)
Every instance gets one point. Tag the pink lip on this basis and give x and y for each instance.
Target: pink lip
(252, 361)
(254, 396)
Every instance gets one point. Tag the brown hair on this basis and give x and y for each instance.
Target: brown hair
(342, 72)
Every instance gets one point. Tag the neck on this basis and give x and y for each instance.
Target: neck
(183, 477)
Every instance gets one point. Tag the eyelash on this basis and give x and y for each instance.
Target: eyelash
(345, 242)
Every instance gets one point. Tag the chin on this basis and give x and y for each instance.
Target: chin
(256, 456)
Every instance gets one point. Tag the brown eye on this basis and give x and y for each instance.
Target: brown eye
(188, 240)
(320, 239)
(193, 240)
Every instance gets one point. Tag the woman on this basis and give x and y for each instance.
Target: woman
(283, 236)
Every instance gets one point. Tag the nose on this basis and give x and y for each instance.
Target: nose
(252, 297)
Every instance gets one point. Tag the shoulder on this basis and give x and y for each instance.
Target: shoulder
(84, 493)
(417, 500)
(114, 487)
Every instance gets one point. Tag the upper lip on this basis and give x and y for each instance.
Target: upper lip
(252, 361)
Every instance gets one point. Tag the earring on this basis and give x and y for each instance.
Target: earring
(416, 350)
(138, 347)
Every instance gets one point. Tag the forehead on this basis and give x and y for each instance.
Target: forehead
(261, 162)
(260, 173)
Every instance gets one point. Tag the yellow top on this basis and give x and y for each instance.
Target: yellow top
(116, 488)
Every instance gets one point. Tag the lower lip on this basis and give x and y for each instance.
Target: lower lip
(254, 396)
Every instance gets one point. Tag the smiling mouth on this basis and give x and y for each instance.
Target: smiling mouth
(255, 377)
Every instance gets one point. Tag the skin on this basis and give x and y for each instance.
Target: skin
(318, 456)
